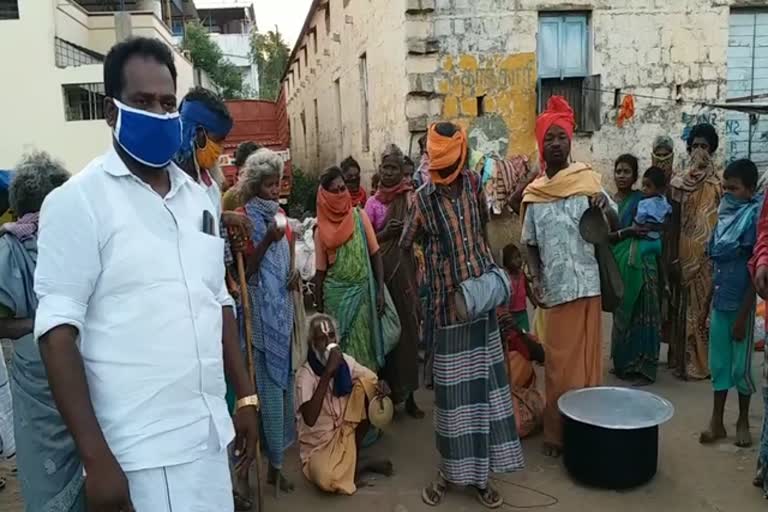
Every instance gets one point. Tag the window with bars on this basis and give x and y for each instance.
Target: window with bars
(83, 102)
(9, 9)
(563, 66)
(69, 54)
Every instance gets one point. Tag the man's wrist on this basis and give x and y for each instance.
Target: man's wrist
(247, 401)
(95, 454)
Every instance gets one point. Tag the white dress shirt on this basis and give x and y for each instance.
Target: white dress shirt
(144, 285)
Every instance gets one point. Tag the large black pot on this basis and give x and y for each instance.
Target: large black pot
(611, 435)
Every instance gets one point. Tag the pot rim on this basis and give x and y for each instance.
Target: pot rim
(566, 404)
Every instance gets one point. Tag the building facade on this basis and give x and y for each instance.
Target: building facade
(55, 102)
(364, 74)
(230, 23)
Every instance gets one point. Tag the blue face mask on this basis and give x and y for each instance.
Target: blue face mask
(151, 139)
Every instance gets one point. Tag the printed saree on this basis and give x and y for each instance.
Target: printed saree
(636, 334)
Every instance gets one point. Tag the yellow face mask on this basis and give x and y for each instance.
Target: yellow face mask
(208, 155)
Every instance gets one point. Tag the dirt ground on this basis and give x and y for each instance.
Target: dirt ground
(691, 477)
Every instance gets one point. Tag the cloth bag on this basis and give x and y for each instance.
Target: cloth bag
(389, 323)
(594, 229)
(479, 296)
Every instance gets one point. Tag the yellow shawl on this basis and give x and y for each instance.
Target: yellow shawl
(578, 179)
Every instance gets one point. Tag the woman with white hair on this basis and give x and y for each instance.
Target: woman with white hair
(50, 471)
(271, 277)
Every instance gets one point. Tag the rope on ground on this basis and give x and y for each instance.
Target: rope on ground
(551, 503)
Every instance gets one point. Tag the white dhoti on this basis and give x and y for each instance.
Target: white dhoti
(200, 486)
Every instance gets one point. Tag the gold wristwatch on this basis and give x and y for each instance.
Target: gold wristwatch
(247, 401)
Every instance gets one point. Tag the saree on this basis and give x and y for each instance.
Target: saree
(272, 330)
(49, 468)
(636, 334)
(401, 370)
(698, 198)
(349, 292)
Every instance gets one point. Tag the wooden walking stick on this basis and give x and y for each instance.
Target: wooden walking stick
(245, 300)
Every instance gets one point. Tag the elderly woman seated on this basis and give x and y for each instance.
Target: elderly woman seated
(332, 392)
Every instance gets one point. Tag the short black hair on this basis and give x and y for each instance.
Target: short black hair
(446, 129)
(508, 252)
(657, 176)
(349, 163)
(118, 55)
(244, 150)
(329, 175)
(408, 161)
(630, 160)
(745, 170)
(210, 99)
(705, 131)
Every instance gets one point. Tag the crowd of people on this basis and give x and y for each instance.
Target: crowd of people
(154, 314)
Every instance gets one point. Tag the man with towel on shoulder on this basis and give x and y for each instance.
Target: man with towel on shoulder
(474, 419)
(563, 266)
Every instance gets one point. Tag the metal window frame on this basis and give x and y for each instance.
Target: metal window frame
(94, 101)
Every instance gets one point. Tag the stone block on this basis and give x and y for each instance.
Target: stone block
(422, 63)
(418, 124)
(416, 106)
(421, 84)
(418, 29)
(443, 27)
(423, 46)
(458, 26)
(708, 72)
(419, 6)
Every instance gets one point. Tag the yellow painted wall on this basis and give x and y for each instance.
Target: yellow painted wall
(508, 83)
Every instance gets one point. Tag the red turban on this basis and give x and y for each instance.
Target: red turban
(558, 113)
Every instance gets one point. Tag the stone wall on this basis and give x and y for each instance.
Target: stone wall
(434, 59)
(657, 48)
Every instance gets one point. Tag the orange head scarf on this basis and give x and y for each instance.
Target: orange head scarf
(335, 221)
(444, 152)
(558, 113)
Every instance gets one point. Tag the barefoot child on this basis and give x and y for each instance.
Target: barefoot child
(517, 309)
(733, 299)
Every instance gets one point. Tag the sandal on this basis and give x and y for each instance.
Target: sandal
(433, 494)
(490, 497)
(2, 483)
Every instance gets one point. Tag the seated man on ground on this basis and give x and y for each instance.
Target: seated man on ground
(332, 393)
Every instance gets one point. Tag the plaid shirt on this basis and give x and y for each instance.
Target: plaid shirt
(454, 246)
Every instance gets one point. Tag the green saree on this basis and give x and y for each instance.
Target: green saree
(636, 332)
(349, 295)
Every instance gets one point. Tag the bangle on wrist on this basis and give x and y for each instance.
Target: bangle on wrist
(247, 401)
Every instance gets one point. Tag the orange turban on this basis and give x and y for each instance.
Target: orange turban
(445, 152)
(558, 113)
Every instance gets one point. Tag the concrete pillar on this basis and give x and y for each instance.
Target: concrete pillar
(156, 6)
(123, 27)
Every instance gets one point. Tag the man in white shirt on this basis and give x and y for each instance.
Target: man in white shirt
(134, 322)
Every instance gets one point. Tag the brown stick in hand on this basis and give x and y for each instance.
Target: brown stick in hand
(247, 316)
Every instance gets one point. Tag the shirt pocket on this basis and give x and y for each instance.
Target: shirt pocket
(203, 256)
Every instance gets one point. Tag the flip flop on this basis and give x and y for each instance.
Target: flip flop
(433, 494)
(490, 497)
